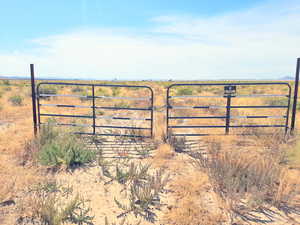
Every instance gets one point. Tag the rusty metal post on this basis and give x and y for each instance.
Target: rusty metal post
(294, 110)
(33, 96)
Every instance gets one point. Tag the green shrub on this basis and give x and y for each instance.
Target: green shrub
(5, 82)
(62, 149)
(185, 91)
(47, 90)
(16, 100)
(77, 89)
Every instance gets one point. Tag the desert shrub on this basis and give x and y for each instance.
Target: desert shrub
(185, 91)
(101, 92)
(116, 91)
(77, 89)
(250, 180)
(122, 105)
(7, 88)
(6, 82)
(57, 148)
(144, 196)
(16, 100)
(281, 102)
(47, 90)
(52, 204)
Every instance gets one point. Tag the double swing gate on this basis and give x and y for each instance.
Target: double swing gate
(192, 109)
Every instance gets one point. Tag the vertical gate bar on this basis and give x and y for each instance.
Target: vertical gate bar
(228, 106)
(152, 100)
(33, 97)
(38, 105)
(293, 119)
(288, 111)
(94, 114)
(167, 119)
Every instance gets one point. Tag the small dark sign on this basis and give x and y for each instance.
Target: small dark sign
(230, 90)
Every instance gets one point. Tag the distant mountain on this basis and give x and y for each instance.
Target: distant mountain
(287, 78)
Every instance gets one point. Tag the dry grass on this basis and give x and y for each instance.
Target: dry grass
(240, 178)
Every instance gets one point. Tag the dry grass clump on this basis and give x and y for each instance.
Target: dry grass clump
(53, 204)
(190, 205)
(252, 180)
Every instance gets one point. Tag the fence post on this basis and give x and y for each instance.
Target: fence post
(228, 105)
(293, 120)
(94, 113)
(33, 97)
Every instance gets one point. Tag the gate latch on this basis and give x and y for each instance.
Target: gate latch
(230, 90)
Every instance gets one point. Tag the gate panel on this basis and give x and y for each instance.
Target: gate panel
(97, 109)
(227, 108)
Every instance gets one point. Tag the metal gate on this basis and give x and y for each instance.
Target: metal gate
(97, 109)
(227, 108)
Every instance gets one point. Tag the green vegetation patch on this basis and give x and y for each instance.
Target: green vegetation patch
(62, 149)
(16, 100)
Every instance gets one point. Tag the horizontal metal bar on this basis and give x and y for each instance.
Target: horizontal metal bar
(113, 135)
(235, 83)
(232, 126)
(97, 107)
(96, 85)
(63, 115)
(224, 107)
(124, 98)
(120, 127)
(67, 106)
(197, 117)
(122, 118)
(122, 108)
(69, 124)
(257, 117)
(64, 95)
(223, 117)
(208, 126)
(222, 96)
(198, 135)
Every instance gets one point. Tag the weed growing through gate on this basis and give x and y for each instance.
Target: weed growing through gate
(16, 100)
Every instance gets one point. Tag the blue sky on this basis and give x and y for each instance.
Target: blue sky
(150, 39)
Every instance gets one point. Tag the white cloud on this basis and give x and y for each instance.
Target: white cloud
(261, 42)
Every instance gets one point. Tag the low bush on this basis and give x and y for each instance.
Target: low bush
(77, 89)
(57, 148)
(6, 82)
(52, 204)
(16, 100)
(185, 91)
(144, 196)
(47, 90)
(250, 180)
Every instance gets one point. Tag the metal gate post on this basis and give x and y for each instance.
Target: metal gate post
(33, 97)
(228, 105)
(293, 119)
(94, 113)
